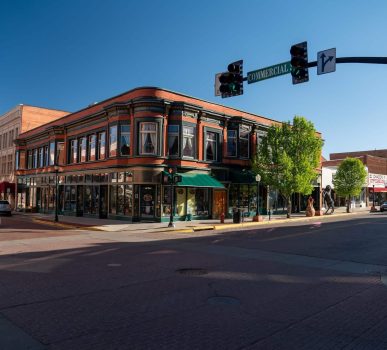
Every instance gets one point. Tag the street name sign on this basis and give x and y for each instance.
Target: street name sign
(326, 61)
(268, 72)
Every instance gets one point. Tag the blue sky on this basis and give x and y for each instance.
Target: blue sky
(66, 54)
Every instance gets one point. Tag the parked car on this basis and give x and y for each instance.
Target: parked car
(383, 206)
(5, 208)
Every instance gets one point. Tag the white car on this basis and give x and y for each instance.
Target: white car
(5, 208)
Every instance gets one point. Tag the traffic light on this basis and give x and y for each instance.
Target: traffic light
(299, 63)
(231, 82)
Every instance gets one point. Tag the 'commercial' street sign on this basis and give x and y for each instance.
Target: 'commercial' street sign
(268, 72)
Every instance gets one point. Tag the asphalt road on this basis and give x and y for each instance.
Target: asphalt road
(283, 286)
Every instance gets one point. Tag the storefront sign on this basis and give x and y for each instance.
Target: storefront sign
(377, 180)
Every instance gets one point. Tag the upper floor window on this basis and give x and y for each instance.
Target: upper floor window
(231, 143)
(35, 158)
(125, 140)
(101, 145)
(92, 144)
(29, 159)
(41, 154)
(189, 141)
(211, 146)
(73, 156)
(82, 149)
(173, 140)
(148, 138)
(45, 157)
(1, 139)
(60, 153)
(244, 142)
(51, 159)
(17, 160)
(113, 141)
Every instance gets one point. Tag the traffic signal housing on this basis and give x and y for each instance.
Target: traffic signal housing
(231, 82)
(299, 63)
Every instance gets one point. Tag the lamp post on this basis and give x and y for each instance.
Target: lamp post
(173, 178)
(56, 168)
(257, 217)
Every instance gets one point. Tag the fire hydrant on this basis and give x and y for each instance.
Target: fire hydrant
(222, 218)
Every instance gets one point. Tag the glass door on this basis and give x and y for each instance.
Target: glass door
(147, 202)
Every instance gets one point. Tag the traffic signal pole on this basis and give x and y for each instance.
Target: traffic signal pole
(373, 60)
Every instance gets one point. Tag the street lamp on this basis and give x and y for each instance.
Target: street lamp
(172, 179)
(56, 168)
(257, 217)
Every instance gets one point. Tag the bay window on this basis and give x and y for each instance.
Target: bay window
(125, 140)
(231, 143)
(211, 146)
(148, 138)
(244, 142)
(82, 149)
(189, 141)
(173, 140)
(101, 145)
(113, 141)
(91, 150)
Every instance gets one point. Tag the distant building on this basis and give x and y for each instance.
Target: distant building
(375, 162)
(20, 119)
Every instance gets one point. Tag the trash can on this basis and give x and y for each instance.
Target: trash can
(236, 216)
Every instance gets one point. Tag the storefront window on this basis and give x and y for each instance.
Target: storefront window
(125, 140)
(167, 201)
(189, 141)
(82, 149)
(231, 143)
(253, 198)
(113, 200)
(120, 199)
(51, 159)
(244, 135)
(173, 140)
(113, 141)
(233, 196)
(148, 138)
(91, 152)
(211, 146)
(101, 145)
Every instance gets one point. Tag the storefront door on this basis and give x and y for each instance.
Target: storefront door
(219, 204)
(147, 202)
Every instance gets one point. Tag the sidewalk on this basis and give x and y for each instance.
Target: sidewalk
(95, 224)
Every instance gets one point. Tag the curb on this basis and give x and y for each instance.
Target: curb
(65, 225)
(253, 223)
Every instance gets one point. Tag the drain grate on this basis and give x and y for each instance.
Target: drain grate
(219, 300)
(192, 271)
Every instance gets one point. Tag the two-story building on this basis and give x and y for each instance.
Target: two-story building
(112, 159)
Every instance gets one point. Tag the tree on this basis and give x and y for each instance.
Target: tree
(350, 179)
(288, 157)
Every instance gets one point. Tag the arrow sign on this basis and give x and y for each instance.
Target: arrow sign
(326, 61)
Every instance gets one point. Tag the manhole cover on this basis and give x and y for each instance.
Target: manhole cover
(218, 300)
(192, 271)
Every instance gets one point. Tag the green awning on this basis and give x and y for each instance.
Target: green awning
(197, 180)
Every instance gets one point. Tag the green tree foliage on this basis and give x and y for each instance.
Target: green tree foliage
(288, 157)
(349, 179)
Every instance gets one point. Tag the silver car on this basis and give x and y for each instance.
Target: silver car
(5, 208)
(383, 206)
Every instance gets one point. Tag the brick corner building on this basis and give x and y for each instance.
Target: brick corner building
(113, 159)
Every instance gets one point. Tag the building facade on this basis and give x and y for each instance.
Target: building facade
(113, 159)
(18, 120)
(375, 187)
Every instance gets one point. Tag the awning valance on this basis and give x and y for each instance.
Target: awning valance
(7, 185)
(378, 189)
